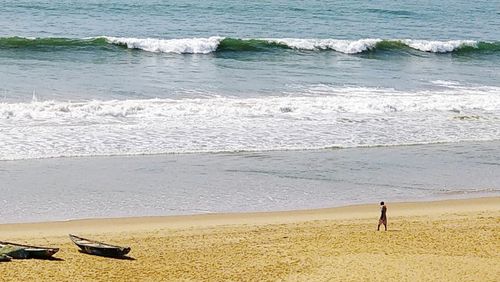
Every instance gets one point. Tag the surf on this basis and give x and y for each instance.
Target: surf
(218, 44)
(317, 117)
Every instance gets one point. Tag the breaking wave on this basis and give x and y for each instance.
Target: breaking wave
(227, 44)
(316, 117)
(317, 101)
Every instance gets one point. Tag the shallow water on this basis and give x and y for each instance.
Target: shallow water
(60, 189)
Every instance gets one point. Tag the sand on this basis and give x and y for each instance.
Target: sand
(429, 241)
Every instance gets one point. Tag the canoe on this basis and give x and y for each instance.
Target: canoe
(98, 248)
(20, 251)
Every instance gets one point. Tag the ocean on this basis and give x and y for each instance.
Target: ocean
(140, 80)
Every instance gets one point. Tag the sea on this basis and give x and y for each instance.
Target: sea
(135, 108)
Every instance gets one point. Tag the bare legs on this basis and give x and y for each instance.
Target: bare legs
(380, 222)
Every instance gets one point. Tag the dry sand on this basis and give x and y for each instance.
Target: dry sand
(433, 241)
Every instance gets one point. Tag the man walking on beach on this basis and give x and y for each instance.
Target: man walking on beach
(383, 216)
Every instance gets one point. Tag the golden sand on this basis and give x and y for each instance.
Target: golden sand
(457, 240)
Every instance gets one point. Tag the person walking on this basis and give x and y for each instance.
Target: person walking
(383, 216)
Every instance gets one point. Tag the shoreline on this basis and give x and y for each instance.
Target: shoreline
(265, 213)
(353, 212)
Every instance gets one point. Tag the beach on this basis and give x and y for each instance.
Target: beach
(229, 140)
(436, 240)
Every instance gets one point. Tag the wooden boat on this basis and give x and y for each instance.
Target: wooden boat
(26, 251)
(98, 248)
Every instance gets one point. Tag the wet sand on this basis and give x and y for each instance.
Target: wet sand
(444, 240)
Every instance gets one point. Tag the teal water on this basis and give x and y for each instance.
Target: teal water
(65, 69)
(145, 77)
(322, 19)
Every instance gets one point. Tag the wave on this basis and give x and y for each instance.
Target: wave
(319, 116)
(308, 103)
(50, 42)
(226, 44)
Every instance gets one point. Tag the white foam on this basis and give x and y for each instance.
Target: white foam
(343, 46)
(319, 99)
(179, 46)
(362, 45)
(446, 83)
(314, 117)
(438, 46)
(210, 44)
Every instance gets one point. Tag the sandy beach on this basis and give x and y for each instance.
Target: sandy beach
(440, 241)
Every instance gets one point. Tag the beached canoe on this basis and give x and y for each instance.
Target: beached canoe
(20, 251)
(98, 248)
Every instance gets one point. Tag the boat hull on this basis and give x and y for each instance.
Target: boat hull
(105, 252)
(4, 258)
(98, 248)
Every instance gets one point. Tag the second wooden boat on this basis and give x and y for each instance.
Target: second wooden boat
(98, 248)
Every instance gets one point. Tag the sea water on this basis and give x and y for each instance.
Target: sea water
(129, 78)
(175, 184)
